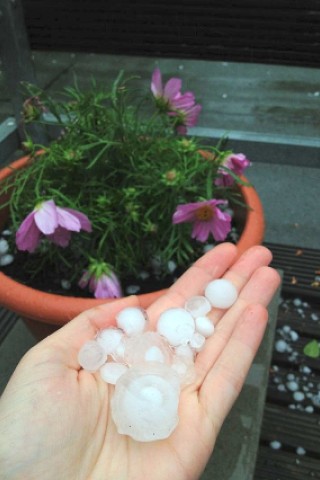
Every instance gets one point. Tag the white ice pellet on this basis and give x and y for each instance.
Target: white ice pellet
(309, 409)
(198, 306)
(290, 376)
(176, 325)
(294, 336)
(292, 386)
(197, 342)
(314, 317)
(172, 266)
(65, 284)
(281, 346)
(204, 326)
(132, 320)
(6, 233)
(275, 445)
(132, 289)
(316, 400)
(145, 402)
(154, 354)
(300, 451)
(207, 247)
(298, 396)
(221, 293)
(109, 339)
(143, 275)
(111, 372)
(91, 356)
(4, 246)
(281, 388)
(286, 329)
(119, 352)
(6, 259)
(306, 369)
(297, 302)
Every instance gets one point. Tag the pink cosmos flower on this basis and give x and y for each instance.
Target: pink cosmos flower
(188, 117)
(169, 91)
(105, 285)
(55, 223)
(237, 163)
(206, 218)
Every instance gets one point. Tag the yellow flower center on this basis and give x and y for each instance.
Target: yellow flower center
(205, 213)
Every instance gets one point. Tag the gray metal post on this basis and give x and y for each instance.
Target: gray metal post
(16, 57)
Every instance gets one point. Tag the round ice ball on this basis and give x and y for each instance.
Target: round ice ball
(197, 342)
(176, 325)
(132, 320)
(221, 293)
(198, 306)
(91, 356)
(147, 347)
(204, 326)
(145, 402)
(184, 368)
(109, 339)
(111, 372)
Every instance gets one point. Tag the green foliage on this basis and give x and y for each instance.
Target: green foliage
(125, 171)
(312, 349)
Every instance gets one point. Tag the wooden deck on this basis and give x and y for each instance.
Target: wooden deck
(291, 424)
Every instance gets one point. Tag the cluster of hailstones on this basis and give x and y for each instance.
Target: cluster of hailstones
(149, 368)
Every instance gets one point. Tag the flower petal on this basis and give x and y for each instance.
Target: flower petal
(221, 225)
(28, 234)
(60, 237)
(156, 83)
(83, 219)
(68, 220)
(46, 217)
(172, 88)
(201, 230)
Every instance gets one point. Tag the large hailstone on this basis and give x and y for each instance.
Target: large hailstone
(132, 320)
(176, 325)
(145, 402)
(147, 347)
(221, 293)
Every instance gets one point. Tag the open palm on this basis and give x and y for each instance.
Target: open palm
(55, 418)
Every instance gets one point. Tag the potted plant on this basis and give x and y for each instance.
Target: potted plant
(120, 194)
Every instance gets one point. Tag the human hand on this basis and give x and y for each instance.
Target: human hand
(55, 420)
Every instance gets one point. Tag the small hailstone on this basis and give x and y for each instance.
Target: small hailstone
(4, 246)
(316, 400)
(132, 289)
(6, 233)
(314, 317)
(286, 329)
(65, 284)
(154, 354)
(291, 376)
(281, 388)
(91, 356)
(198, 306)
(111, 372)
(119, 352)
(6, 259)
(298, 396)
(294, 336)
(306, 369)
(207, 247)
(143, 275)
(309, 409)
(292, 386)
(145, 402)
(109, 339)
(172, 266)
(132, 320)
(297, 302)
(176, 325)
(300, 451)
(197, 342)
(204, 326)
(275, 445)
(281, 346)
(221, 293)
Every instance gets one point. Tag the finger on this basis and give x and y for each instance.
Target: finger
(224, 381)
(240, 273)
(259, 290)
(70, 338)
(211, 265)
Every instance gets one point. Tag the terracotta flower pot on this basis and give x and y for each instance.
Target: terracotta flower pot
(57, 310)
